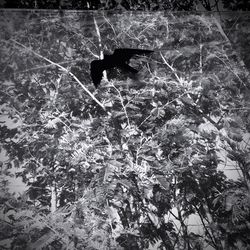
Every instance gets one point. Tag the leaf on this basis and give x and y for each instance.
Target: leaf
(116, 163)
(132, 106)
(235, 134)
(6, 243)
(43, 241)
(163, 181)
(187, 100)
(25, 213)
(118, 114)
(229, 203)
(147, 158)
(52, 123)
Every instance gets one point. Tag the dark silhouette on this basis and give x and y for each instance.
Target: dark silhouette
(119, 59)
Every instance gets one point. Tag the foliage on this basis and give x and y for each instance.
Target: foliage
(236, 5)
(239, 35)
(129, 176)
(152, 5)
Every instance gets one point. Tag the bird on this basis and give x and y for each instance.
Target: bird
(119, 59)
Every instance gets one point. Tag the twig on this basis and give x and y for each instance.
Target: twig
(45, 66)
(122, 103)
(112, 27)
(238, 58)
(88, 49)
(57, 88)
(147, 27)
(210, 234)
(173, 70)
(142, 143)
(201, 58)
(230, 68)
(229, 31)
(62, 68)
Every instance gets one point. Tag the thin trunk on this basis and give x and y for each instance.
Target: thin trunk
(53, 197)
(184, 230)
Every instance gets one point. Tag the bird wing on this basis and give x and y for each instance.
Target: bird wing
(129, 68)
(126, 54)
(96, 70)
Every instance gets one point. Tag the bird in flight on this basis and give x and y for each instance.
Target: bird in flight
(119, 59)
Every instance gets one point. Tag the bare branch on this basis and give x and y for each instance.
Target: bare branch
(62, 68)
(112, 27)
(45, 66)
(173, 70)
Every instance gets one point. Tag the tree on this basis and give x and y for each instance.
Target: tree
(126, 166)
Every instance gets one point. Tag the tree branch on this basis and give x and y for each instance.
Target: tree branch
(173, 70)
(62, 68)
(122, 103)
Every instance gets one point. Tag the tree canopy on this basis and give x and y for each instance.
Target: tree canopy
(131, 164)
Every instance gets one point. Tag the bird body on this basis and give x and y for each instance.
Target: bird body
(118, 59)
